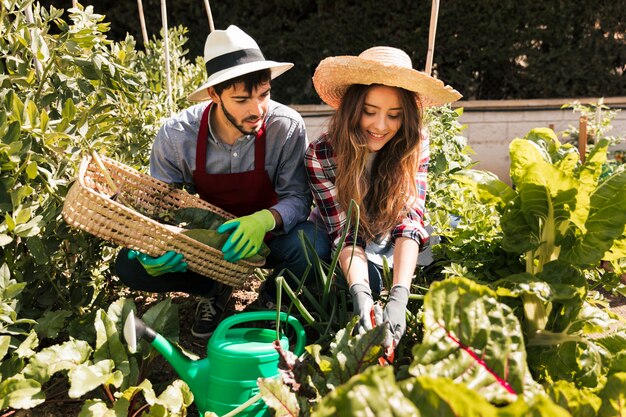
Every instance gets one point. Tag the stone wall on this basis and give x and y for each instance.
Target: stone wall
(491, 125)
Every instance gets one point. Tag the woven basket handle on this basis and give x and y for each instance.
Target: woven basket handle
(105, 172)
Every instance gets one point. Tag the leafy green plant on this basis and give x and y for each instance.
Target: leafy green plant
(65, 90)
(599, 124)
(562, 220)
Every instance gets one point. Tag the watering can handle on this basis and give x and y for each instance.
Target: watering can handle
(249, 316)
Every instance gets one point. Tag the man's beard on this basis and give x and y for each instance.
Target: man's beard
(235, 123)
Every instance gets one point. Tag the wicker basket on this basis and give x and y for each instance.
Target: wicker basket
(90, 205)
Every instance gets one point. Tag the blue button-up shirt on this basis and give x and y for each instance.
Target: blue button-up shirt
(173, 157)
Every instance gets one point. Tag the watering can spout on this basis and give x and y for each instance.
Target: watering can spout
(136, 329)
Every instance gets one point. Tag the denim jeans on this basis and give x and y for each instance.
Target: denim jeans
(285, 252)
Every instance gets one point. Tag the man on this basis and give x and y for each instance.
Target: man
(242, 152)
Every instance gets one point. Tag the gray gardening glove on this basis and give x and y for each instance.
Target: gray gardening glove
(394, 315)
(363, 303)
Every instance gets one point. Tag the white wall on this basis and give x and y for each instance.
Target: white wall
(491, 125)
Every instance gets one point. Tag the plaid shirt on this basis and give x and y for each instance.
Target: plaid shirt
(321, 166)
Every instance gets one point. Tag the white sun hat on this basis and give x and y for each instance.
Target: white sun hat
(378, 65)
(229, 54)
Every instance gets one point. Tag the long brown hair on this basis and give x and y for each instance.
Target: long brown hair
(385, 196)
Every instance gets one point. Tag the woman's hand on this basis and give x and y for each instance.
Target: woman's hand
(394, 315)
(363, 303)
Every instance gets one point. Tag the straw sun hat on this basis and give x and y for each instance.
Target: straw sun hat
(378, 65)
(229, 54)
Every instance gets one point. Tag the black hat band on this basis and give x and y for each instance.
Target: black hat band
(233, 59)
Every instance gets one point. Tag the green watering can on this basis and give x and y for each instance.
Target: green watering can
(236, 357)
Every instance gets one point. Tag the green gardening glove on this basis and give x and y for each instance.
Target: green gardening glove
(169, 262)
(247, 234)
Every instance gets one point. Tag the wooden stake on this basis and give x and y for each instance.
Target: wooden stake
(434, 13)
(166, 44)
(209, 15)
(142, 22)
(582, 138)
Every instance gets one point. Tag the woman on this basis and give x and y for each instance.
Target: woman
(375, 154)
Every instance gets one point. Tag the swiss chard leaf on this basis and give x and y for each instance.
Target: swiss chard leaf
(443, 397)
(350, 355)
(613, 396)
(604, 224)
(373, 392)
(579, 402)
(470, 337)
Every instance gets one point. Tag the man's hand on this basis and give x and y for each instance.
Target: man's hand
(394, 315)
(247, 234)
(363, 303)
(169, 262)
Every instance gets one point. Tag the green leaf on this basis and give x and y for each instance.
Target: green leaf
(69, 110)
(605, 223)
(11, 289)
(50, 360)
(576, 360)
(524, 153)
(592, 168)
(118, 311)
(5, 343)
(443, 397)
(32, 114)
(108, 343)
(5, 240)
(97, 408)
(486, 186)
(85, 378)
(470, 337)
(40, 47)
(279, 397)
(176, 398)
(31, 170)
(613, 396)
(30, 228)
(579, 402)
(17, 107)
(37, 250)
(13, 132)
(539, 406)
(373, 392)
(350, 355)
(163, 318)
(617, 251)
(21, 194)
(22, 215)
(44, 120)
(5, 275)
(26, 348)
(17, 392)
(51, 323)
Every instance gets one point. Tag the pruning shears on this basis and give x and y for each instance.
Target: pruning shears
(389, 353)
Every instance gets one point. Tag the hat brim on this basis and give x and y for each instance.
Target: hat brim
(334, 75)
(277, 69)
